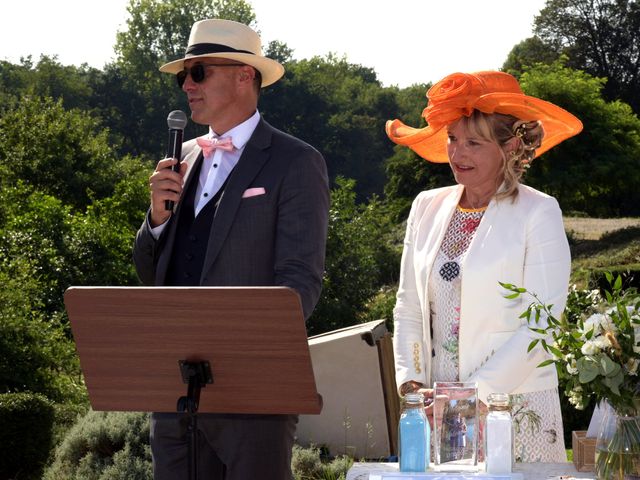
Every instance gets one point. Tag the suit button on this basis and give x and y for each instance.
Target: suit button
(192, 238)
(189, 256)
(187, 275)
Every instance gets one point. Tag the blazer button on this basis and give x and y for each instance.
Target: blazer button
(192, 238)
(189, 256)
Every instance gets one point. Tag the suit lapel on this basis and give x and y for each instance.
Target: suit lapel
(253, 158)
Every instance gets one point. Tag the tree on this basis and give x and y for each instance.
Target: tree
(407, 173)
(36, 353)
(340, 108)
(601, 37)
(359, 259)
(597, 171)
(158, 32)
(528, 53)
(63, 153)
(47, 245)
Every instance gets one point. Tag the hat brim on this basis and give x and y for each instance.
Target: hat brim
(430, 142)
(270, 70)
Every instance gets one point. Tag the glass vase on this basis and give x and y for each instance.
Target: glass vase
(618, 446)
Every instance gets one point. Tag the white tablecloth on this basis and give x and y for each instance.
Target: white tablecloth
(530, 471)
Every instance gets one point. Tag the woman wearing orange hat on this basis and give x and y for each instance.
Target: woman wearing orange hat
(452, 320)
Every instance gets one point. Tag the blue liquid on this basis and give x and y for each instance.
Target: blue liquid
(415, 441)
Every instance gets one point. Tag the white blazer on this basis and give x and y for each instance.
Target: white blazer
(522, 243)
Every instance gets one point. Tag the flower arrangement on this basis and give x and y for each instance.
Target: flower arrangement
(597, 356)
(595, 346)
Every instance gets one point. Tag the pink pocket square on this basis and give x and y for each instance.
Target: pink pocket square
(252, 192)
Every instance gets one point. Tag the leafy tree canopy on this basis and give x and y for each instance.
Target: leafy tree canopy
(595, 172)
(63, 153)
(601, 37)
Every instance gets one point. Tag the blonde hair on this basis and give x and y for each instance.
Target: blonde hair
(501, 129)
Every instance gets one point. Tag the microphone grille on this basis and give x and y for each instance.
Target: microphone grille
(177, 120)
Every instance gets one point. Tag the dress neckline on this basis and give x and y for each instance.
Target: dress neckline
(471, 210)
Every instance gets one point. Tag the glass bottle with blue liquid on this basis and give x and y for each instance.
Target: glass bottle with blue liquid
(414, 435)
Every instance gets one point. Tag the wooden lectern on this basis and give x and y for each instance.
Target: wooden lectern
(133, 340)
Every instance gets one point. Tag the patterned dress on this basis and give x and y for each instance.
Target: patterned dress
(537, 417)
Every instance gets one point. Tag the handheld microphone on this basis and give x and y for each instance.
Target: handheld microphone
(176, 121)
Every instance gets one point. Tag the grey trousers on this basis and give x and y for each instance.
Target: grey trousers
(231, 447)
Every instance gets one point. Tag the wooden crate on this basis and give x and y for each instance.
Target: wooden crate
(584, 451)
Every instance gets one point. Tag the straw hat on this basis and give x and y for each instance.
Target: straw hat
(459, 94)
(227, 39)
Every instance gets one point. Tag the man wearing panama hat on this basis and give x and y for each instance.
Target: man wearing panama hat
(452, 320)
(251, 209)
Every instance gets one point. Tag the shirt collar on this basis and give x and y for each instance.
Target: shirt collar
(241, 133)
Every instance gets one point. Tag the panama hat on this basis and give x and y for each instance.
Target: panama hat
(217, 38)
(459, 94)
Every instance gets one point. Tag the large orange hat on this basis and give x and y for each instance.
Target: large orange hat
(459, 94)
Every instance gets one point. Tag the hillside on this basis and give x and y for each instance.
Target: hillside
(603, 244)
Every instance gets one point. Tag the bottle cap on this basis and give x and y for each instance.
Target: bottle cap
(498, 400)
(414, 398)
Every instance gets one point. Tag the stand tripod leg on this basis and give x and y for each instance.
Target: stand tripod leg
(196, 375)
(192, 430)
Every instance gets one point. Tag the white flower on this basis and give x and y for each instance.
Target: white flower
(632, 366)
(592, 324)
(606, 324)
(571, 368)
(575, 398)
(601, 342)
(590, 348)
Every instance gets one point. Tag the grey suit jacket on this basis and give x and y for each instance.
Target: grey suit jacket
(275, 239)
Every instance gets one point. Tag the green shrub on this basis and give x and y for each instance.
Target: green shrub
(26, 431)
(306, 464)
(104, 446)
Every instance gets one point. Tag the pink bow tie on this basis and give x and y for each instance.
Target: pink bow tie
(209, 146)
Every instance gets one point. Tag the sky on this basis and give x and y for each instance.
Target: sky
(404, 41)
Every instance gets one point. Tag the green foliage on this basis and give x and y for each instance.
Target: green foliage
(617, 252)
(307, 464)
(358, 260)
(25, 449)
(341, 109)
(104, 446)
(115, 445)
(75, 87)
(597, 171)
(407, 173)
(47, 244)
(597, 350)
(35, 352)
(528, 53)
(380, 307)
(157, 32)
(59, 152)
(600, 37)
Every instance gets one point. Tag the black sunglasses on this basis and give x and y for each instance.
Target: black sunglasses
(197, 71)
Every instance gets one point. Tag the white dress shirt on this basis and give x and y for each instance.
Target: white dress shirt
(219, 163)
(217, 166)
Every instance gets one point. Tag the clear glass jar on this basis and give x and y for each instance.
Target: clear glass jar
(414, 435)
(498, 445)
(618, 446)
